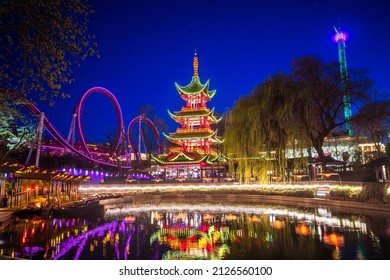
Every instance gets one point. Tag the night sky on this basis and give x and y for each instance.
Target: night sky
(146, 46)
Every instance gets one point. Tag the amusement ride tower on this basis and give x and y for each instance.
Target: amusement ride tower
(340, 38)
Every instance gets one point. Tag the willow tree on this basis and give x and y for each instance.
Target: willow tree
(291, 112)
(261, 129)
(240, 135)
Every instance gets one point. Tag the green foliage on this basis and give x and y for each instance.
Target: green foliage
(259, 131)
(345, 192)
(373, 120)
(373, 192)
(40, 42)
(293, 112)
(16, 128)
(285, 191)
(369, 192)
(279, 190)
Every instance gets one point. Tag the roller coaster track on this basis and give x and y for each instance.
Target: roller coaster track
(79, 112)
(139, 120)
(87, 154)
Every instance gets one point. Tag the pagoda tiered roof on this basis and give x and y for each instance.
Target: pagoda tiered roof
(183, 134)
(182, 158)
(200, 112)
(195, 87)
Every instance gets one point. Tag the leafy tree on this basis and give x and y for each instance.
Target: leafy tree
(239, 136)
(16, 129)
(222, 124)
(292, 112)
(41, 41)
(373, 120)
(258, 131)
(319, 106)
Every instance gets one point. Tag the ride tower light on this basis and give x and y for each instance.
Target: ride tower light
(340, 37)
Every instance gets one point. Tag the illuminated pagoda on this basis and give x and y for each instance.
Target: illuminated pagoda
(195, 153)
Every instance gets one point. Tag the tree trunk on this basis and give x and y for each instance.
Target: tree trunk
(317, 144)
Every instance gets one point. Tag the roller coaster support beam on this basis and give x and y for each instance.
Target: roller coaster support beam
(38, 142)
(72, 130)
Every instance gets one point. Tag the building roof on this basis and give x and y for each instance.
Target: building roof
(202, 112)
(181, 158)
(32, 172)
(193, 135)
(195, 87)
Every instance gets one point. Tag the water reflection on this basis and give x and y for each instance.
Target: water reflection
(202, 232)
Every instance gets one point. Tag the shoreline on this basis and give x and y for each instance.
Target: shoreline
(209, 197)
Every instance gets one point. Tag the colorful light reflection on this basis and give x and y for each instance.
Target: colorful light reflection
(334, 239)
(302, 229)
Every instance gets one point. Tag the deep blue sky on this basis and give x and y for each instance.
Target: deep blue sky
(146, 46)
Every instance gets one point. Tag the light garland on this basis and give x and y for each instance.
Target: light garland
(200, 187)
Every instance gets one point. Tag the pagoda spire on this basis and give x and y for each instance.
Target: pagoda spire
(195, 64)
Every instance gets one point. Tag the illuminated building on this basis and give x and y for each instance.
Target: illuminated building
(196, 142)
(342, 147)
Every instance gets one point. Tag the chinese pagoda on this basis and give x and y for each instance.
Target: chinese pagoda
(195, 152)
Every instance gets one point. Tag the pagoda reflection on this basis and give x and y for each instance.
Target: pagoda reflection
(205, 232)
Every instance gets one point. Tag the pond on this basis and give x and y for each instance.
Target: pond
(194, 230)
